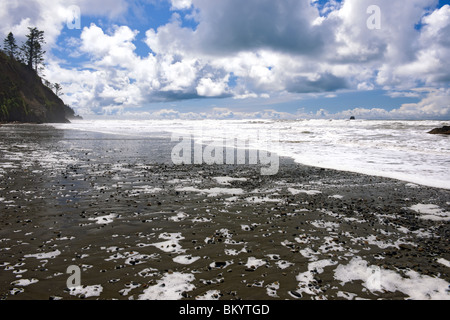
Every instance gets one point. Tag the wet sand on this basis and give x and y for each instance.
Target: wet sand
(140, 227)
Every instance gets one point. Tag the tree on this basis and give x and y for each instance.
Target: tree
(10, 46)
(58, 89)
(32, 49)
(48, 84)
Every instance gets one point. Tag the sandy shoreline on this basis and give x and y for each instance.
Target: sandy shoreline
(140, 227)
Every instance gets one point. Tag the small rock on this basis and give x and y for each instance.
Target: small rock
(444, 130)
(220, 264)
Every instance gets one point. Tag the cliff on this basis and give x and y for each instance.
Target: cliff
(24, 98)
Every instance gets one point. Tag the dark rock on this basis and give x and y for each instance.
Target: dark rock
(220, 264)
(295, 294)
(444, 130)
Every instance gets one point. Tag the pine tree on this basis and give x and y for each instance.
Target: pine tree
(48, 84)
(10, 46)
(32, 49)
(58, 89)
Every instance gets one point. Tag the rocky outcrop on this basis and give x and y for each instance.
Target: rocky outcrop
(444, 130)
(24, 98)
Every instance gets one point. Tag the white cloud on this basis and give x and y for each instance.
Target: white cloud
(233, 26)
(433, 51)
(434, 104)
(172, 38)
(264, 48)
(113, 50)
(429, 107)
(179, 75)
(208, 88)
(340, 47)
(181, 4)
(52, 16)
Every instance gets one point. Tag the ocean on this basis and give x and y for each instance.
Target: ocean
(400, 150)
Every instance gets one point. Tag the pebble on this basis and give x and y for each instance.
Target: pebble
(296, 294)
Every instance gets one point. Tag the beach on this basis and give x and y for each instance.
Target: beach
(139, 226)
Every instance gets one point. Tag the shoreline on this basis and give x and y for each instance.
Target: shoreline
(413, 166)
(132, 221)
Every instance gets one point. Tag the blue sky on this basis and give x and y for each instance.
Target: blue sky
(258, 58)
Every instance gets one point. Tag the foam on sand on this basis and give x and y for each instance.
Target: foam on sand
(209, 295)
(415, 285)
(107, 219)
(336, 196)
(431, 212)
(226, 180)
(148, 189)
(171, 244)
(48, 255)
(213, 192)
(86, 291)
(262, 199)
(24, 282)
(272, 288)
(306, 279)
(444, 262)
(178, 217)
(170, 287)
(253, 263)
(185, 259)
(308, 192)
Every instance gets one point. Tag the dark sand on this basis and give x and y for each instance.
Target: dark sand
(263, 240)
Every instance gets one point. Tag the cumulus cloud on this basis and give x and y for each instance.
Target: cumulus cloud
(52, 16)
(112, 50)
(209, 88)
(298, 47)
(234, 26)
(433, 51)
(214, 113)
(248, 49)
(433, 104)
(181, 4)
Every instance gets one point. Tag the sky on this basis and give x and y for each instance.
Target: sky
(234, 59)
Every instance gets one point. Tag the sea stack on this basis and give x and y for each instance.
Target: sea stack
(444, 130)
